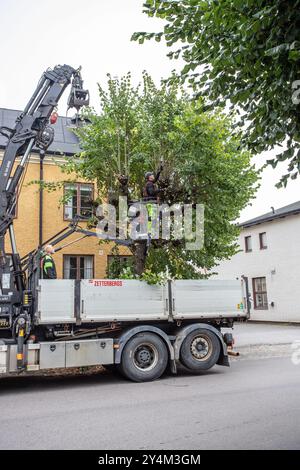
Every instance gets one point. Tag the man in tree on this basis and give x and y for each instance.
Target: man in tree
(150, 191)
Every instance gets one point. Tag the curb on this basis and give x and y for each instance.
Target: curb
(272, 322)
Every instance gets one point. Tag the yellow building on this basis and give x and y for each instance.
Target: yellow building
(40, 217)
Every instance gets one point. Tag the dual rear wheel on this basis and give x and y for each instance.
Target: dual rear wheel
(200, 350)
(145, 356)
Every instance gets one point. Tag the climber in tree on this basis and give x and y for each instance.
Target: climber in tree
(150, 191)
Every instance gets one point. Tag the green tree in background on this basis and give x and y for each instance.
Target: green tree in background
(245, 51)
(137, 129)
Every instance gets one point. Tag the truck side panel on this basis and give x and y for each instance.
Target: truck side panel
(104, 300)
(109, 300)
(207, 299)
(58, 354)
(56, 301)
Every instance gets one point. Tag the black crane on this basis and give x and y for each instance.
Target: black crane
(31, 129)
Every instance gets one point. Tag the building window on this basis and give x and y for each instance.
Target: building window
(78, 267)
(116, 264)
(248, 244)
(263, 241)
(79, 200)
(260, 293)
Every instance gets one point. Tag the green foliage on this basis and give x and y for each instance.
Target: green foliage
(203, 163)
(117, 266)
(130, 136)
(51, 186)
(148, 276)
(244, 51)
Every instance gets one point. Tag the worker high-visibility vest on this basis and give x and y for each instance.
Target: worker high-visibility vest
(153, 219)
(49, 270)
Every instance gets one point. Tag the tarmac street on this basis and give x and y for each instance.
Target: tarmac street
(254, 404)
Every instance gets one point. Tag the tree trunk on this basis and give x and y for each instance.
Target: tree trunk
(140, 254)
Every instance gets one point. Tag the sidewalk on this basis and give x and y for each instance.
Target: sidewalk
(250, 334)
(259, 341)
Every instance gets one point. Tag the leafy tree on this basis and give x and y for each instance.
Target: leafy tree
(118, 263)
(139, 127)
(245, 51)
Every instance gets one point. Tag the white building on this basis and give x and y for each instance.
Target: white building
(270, 258)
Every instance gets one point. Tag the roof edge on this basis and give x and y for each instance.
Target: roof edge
(269, 218)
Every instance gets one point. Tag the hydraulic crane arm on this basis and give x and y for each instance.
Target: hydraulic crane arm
(32, 129)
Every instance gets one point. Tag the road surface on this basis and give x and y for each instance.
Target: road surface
(255, 404)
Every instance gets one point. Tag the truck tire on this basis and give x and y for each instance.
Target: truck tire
(200, 350)
(144, 358)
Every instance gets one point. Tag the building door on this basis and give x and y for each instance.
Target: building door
(260, 296)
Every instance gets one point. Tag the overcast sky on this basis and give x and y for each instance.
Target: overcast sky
(37, 34)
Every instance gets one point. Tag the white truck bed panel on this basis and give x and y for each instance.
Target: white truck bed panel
(107, 300)
(117, 300)
(208, 299)
(56, 301)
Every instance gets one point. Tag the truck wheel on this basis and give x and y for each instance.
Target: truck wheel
(144, 358)
(200, 350)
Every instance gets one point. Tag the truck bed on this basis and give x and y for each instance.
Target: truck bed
(116, 300)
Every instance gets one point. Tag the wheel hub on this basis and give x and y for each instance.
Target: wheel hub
(145, 356)
(200, 348)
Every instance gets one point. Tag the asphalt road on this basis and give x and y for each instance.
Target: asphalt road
(255, 404)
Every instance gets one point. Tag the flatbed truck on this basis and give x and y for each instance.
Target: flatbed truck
(129, 325)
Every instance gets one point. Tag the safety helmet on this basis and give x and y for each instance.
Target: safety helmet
(148, 174)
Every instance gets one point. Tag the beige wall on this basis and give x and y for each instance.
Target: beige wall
(26, 224)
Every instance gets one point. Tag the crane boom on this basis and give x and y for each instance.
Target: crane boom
(31, 130)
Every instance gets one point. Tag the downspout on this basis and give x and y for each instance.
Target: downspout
(42, 155)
